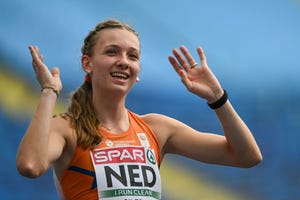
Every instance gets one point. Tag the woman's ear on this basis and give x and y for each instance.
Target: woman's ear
(86, 64)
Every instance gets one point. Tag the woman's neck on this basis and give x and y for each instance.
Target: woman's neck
(112, 114)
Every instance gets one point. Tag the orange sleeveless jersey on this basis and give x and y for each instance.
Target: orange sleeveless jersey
(78, 181)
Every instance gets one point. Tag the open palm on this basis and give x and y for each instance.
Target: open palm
(43, 75)
(199, 80)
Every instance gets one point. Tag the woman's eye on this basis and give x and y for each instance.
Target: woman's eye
(134, 56)
(111, 52)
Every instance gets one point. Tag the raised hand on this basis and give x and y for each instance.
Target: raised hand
(199, 80)
(43, 75)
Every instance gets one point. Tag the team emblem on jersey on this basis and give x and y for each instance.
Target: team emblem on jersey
(109, 143)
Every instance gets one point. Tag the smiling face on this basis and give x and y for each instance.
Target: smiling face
(115, 61)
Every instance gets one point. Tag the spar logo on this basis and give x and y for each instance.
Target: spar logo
(120, 155)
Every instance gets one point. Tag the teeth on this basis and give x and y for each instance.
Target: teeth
(119, 75)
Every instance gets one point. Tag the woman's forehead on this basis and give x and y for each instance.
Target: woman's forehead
(118, 37)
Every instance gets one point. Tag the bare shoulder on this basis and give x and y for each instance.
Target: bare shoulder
(163, 126)
(152, 117)
(158, 120)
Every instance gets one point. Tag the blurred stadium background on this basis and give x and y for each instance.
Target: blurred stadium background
(252, 46)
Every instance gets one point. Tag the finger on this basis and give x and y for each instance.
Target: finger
(55, 72)
(185, 80)
(174, 63)
(187, 55)
(40, 69)
(180, 59)
(38, 54)
(34, 53)
(37, 49)
(202, 56)
(41, 57)
(37, 58)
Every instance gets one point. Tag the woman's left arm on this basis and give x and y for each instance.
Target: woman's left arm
(239, 139)
(237, 147)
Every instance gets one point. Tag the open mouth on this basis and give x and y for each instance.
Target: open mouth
(120, 75)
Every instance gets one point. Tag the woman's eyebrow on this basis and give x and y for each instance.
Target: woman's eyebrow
(119, 47)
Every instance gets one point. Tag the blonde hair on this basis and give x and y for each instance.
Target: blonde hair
(81, 110)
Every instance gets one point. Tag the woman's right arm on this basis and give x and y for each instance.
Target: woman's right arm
(43, 142)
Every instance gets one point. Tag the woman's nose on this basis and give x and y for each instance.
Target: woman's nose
(123, 61)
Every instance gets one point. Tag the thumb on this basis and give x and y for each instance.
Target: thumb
(55, 72)
(56, 76)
